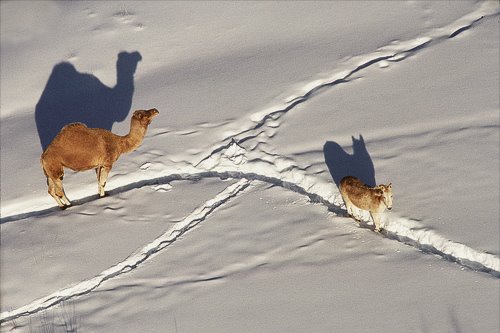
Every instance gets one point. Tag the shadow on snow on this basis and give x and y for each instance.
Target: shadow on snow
(71, 96)
(358, 164)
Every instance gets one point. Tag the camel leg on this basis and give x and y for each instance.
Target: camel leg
(376, 221)
(98, 174)
(56, 190)
(52, 192)
(60, 192)
(102, 176)
(55, 174)
(348, 206)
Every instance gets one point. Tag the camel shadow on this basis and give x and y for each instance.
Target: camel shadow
(71, 96)
(358, 164)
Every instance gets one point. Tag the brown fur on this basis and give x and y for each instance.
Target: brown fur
(373, 199)
(79, 148)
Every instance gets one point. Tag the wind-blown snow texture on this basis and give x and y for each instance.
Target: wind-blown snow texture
(281, 144)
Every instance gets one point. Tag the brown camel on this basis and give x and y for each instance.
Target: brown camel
(373, 199)
(81, 148)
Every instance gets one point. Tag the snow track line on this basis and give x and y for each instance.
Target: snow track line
(404, 230)
(401, 229)
(134, 260)
(394, 52)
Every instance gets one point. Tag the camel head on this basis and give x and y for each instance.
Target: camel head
(386, 194)
(145, 116)
(127, 63)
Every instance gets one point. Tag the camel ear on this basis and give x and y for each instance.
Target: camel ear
(138, 114)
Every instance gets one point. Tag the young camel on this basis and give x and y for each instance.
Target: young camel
(81, 148)
(373, 199)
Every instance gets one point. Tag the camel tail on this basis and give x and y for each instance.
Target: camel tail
(42, 164)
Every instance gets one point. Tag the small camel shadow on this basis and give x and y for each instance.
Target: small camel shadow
(358, 164)
(71, 96)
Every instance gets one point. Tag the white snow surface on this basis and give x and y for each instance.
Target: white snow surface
(228, 216)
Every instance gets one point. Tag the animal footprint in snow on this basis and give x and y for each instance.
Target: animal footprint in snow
(383, 64)
(145, 166)
(138, 27)
(125, 17)
(162, 187)
(235, 153)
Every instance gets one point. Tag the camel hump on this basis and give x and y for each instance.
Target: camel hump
(351, 181)
(73, 126)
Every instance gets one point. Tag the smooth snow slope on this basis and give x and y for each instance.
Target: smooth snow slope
(236, 105)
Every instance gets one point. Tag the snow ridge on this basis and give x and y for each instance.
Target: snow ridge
(280, 172)
(134, 260)
(394, 52)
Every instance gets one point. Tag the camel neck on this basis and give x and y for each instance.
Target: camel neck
(133, 139)
(124, 80)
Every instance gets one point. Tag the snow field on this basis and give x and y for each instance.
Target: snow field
(424, 106)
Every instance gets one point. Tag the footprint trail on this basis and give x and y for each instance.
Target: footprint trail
(134, 260)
